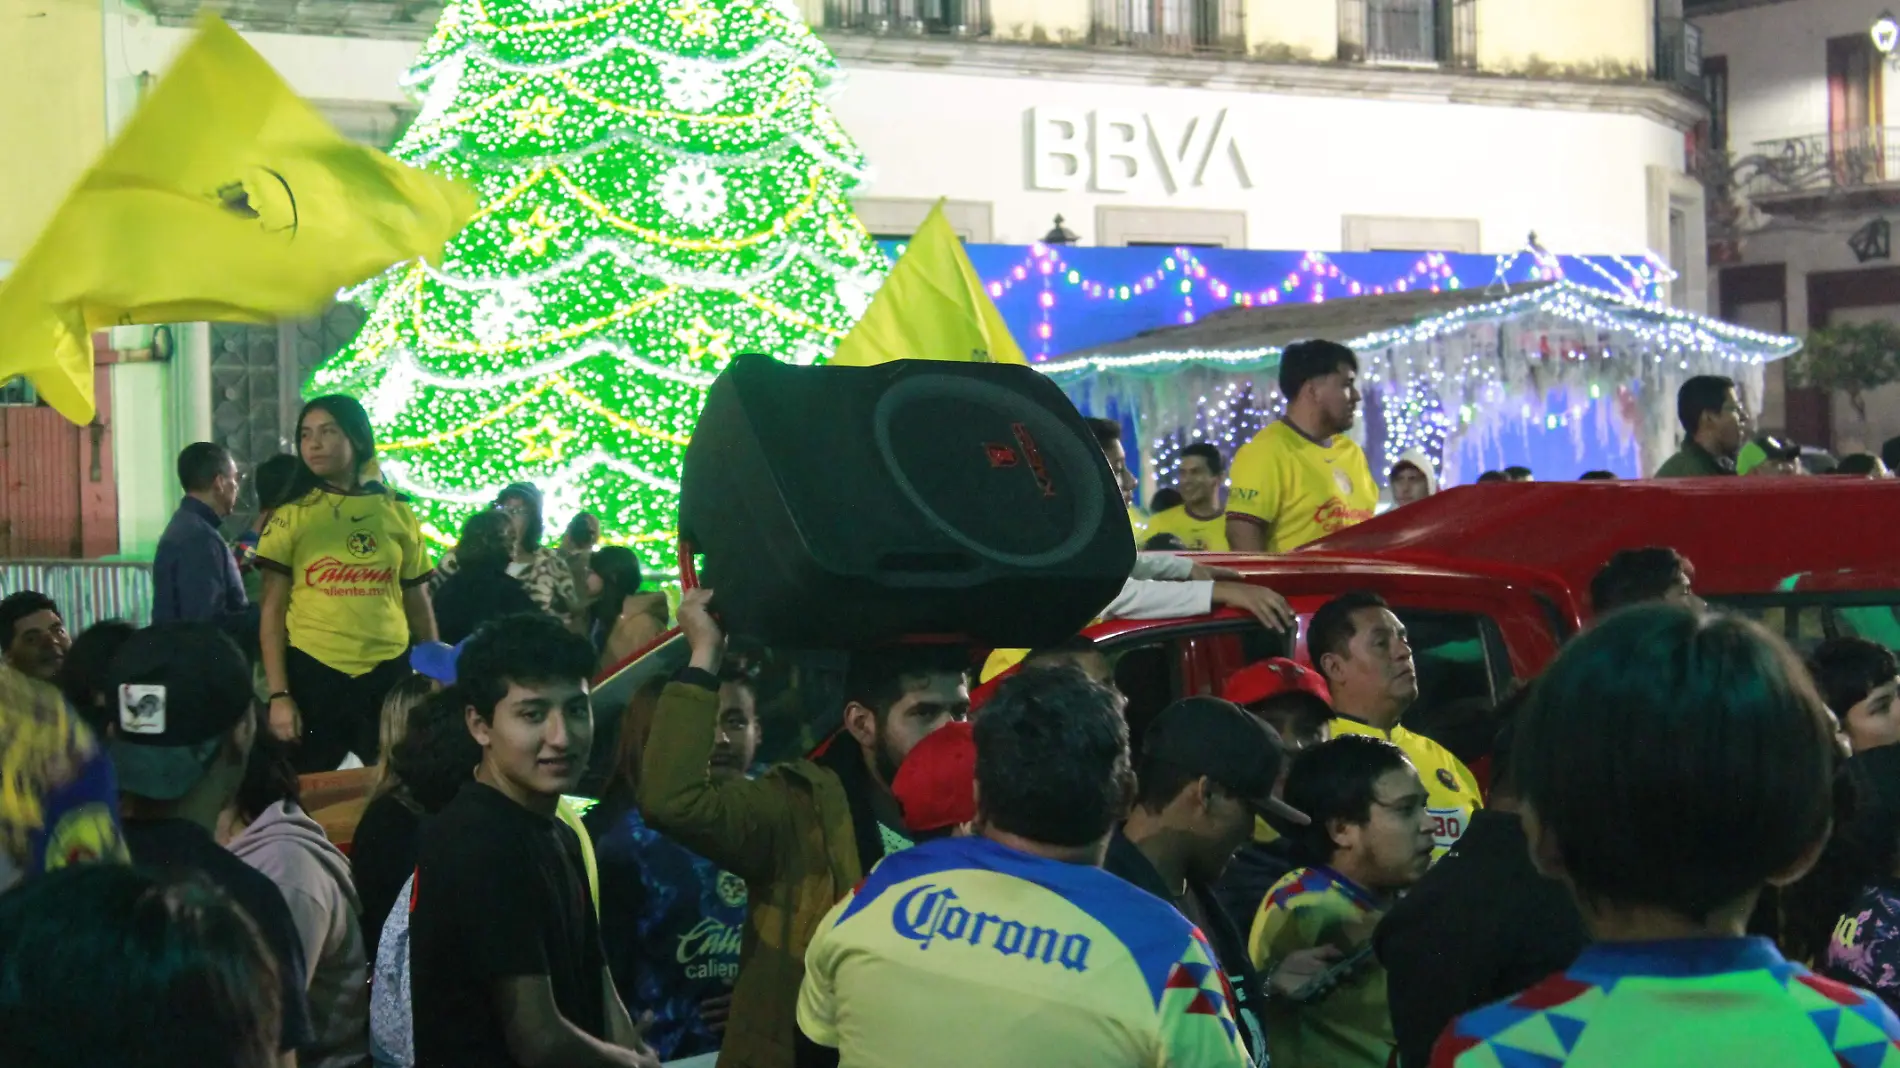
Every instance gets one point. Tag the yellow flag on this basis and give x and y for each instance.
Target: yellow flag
(225, 198)
(932, 307)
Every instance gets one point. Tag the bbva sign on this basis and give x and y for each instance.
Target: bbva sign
(1114, 150)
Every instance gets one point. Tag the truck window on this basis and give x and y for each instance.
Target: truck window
(1806, 620)
(1461, 672)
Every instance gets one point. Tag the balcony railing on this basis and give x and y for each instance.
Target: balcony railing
(1170, 25)
(917, 18)
(1434, 32)
(1679, 55)
(1837, 162)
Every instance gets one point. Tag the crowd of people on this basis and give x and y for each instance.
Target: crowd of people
(1679, 845)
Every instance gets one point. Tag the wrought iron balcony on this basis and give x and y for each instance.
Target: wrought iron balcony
(1839, 161)
(1179, 26)
(1422, 32)
(1679, 55)
(916, 18)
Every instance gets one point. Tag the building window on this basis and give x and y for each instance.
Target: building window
(17, 392)
(1856, 141)
(955, 18)
(897, 218)
(1382, 233)
(1715, 92)
(1169, 25)
(1422, 32)
(1192, 227)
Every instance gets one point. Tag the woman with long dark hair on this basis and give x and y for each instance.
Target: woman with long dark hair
(540, 570)
(345, 592)
(481, 589)
(621, 619)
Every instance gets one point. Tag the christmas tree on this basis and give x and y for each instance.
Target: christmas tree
(662, 188)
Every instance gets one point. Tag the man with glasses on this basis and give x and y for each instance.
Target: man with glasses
(1369, 836)
(1715, 427)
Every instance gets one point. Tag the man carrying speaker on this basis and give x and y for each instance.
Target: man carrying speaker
(1301, 478)
(803, 834)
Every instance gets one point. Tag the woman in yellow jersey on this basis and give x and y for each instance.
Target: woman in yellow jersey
(345, 592)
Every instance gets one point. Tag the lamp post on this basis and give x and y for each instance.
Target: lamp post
(1886, 35)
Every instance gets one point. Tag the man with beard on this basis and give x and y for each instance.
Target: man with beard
(804, 833)
(1359, 646)
(1302, 478)
(33, 637)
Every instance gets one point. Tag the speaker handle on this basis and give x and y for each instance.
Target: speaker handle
(689, 573)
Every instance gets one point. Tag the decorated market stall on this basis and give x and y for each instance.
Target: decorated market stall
(1550, 373)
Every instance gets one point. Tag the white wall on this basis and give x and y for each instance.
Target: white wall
(1777, 64)
(1577, 178)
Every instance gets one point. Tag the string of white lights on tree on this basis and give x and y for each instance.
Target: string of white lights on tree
(663, 186)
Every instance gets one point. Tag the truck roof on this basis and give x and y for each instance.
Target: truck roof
(1743, 535)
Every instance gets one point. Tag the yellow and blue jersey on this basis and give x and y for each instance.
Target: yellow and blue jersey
(1352, 1026)
(1691, 1002)
(963, 952)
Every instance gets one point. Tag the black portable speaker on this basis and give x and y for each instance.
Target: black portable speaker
(845, 507)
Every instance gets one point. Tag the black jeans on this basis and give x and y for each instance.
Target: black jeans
(341, 714)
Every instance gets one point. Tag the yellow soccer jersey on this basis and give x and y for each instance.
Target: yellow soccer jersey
(1352, 1026)
(1199, 535)
(349, 557)
(961, 952)
(1301, 490)
(1451, 791)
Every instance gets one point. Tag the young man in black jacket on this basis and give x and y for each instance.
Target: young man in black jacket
(1480, 926)
(1207, 768)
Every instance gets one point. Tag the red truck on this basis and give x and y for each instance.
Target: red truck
(1489, 581)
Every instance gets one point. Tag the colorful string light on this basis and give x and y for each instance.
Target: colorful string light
(662, 187)
(1436, 377)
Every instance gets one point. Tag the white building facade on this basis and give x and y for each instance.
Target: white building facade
(1799, 93)
(1453, 125)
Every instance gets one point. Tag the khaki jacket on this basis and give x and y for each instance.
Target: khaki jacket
(787, 833)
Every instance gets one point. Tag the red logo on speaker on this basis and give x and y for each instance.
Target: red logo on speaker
(1000, 455)
(1034, 455)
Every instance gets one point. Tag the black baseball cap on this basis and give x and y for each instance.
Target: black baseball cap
(177, 689)
(1226, 743)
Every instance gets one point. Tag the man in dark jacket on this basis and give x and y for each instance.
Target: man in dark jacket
(1207, 769)
(194, 575)
(1482, 925)
(1714, 427)
(804, 833)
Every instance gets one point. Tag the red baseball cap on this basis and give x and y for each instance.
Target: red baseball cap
(936, 783)
(1271, 678)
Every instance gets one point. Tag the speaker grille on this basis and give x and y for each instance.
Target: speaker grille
(950, 441)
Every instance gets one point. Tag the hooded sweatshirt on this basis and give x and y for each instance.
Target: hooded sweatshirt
(314, 876)
(1418, 460)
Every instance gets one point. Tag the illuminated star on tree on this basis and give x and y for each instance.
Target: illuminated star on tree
(538, 117)
(702, 339)
(533, 233)
(535, 448)
(695, 18)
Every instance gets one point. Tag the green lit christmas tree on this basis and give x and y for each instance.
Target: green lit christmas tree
(662, 187)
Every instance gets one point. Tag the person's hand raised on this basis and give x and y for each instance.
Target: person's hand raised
(703, 633)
